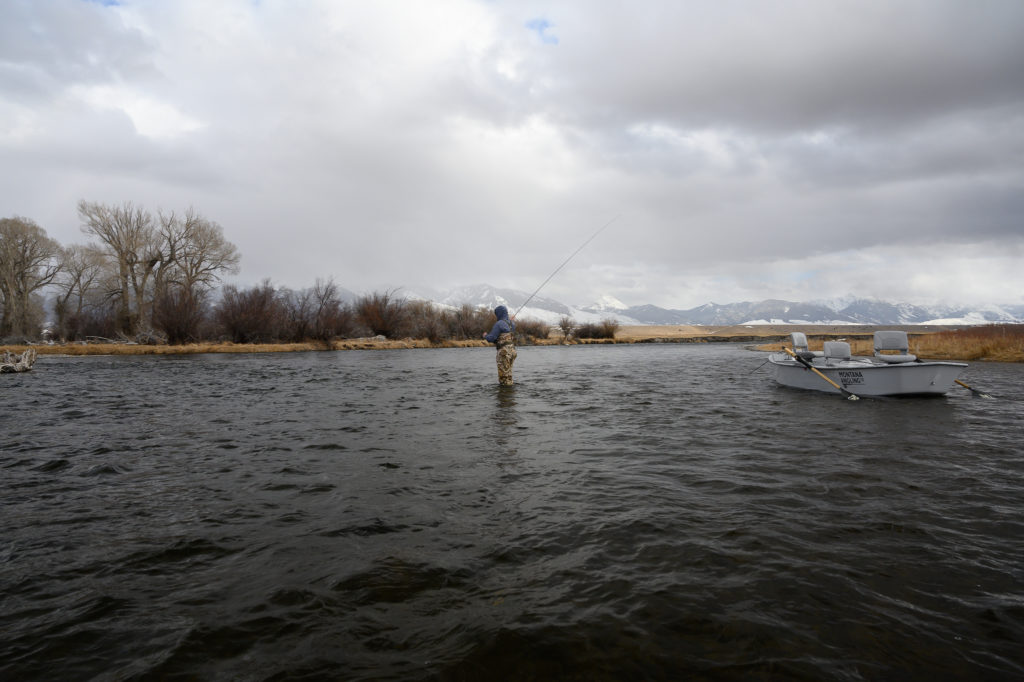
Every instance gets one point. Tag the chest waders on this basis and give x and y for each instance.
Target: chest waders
(506, 356)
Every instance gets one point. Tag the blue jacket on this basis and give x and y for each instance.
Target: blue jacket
(504, 324)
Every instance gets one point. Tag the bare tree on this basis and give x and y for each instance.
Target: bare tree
(332, 318)
(78, 280)
(298, 314)
(131, 240)
(193, 254)
(29, 260)
(173, 261)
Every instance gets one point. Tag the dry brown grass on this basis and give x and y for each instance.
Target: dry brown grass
(995, 343)
(184, 349)
(192, 348)
(1002, 343)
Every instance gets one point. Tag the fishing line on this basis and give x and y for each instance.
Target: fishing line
(564, 262)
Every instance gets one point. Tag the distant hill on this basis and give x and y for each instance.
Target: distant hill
(769, 311)
(861, 311)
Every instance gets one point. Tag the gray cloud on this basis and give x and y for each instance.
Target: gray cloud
(47, 46)
(791, 66)
(751, 150)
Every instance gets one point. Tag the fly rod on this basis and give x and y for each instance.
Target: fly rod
(563, 264)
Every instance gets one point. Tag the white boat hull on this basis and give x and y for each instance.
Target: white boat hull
(863, 377)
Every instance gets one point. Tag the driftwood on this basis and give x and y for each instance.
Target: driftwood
(17, 363)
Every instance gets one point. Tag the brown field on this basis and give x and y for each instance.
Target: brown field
(995, 343)
(1003, 343)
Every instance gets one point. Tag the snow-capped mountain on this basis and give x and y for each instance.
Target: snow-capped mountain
(607, 303)
(858, 311)
(848, 310)
(541, 308)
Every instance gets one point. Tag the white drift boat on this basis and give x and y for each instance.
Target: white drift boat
(893, 371)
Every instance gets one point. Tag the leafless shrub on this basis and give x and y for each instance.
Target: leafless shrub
(468, 322)
(343, 321)
(178, 313)
(251, 315)
(606, 329)
(297, 307)
(531, 330)
(100, 320)
(565, 325)
(424, 321)
(331, 317)
(382, 313)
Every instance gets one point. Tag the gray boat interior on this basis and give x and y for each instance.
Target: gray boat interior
(891, 347)
(893, 341)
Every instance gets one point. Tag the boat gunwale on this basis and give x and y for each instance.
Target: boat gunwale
(860, 362)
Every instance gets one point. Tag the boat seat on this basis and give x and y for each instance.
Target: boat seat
(893, 341)
(836, 351)
(799, 340)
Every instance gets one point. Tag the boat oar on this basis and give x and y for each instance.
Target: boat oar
(849, 396)
(980, 394)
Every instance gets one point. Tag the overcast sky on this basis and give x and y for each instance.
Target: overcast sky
(745, 150)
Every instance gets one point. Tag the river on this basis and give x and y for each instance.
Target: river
(622, 512)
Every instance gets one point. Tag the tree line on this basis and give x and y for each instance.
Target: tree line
(158, 278)
(139, 271)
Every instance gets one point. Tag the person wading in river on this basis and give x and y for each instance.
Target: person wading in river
(501, 336)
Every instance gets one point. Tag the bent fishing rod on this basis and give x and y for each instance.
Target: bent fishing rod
(564, 263)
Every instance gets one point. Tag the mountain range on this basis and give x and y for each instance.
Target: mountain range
(851, 310)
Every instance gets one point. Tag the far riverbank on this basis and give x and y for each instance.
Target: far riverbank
(934, 342)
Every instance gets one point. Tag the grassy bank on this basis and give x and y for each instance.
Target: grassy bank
(77, 349)
(995, 343)
(1002, 343)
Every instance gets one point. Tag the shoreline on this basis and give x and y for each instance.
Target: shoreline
(768, 338)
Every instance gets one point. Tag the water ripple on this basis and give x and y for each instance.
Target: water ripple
(657, 512)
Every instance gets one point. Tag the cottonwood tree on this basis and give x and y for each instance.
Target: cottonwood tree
(193, 255)
(77, 286)
(129, 236)
(193, 252)
(29, 260)
(170, 263)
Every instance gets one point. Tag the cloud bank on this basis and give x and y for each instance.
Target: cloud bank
(799, 150)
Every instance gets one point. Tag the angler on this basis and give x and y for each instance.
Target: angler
(502, 332)
(502, 336)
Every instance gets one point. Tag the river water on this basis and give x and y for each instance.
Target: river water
(623, 512)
